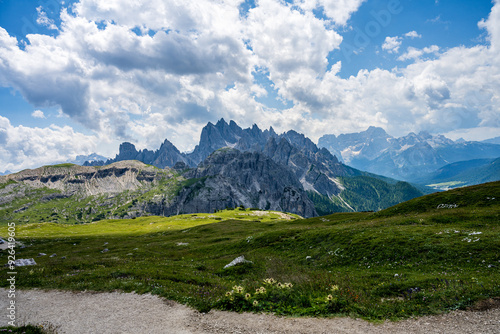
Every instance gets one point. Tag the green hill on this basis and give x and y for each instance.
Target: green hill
(464, 173)
(419, 257)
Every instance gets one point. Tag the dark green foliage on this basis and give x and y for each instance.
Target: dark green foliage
(5, 184)
(193, 185)
(60, 165)
(369, 194)
(27, 329)
(364, 193)
(324, 205)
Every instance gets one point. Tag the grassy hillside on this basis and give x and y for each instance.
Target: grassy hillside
(23, 204)
(364, 193)
(464, 173)
(429, 255)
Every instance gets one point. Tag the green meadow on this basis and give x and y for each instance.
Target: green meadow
(430, 255)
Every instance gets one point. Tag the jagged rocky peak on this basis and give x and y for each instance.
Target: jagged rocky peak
(230, 133)
(376, 131)
(223, 134)
(168, 145)
(325, 155)
(220, 157)
(249, 179)
(301, 141)
(127, 151)
(167, 156)
(255, 130)
(351, 146)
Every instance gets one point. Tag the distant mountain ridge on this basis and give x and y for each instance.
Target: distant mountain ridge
(212, 138)
(464, 173)
(82, 159)
(410, 158)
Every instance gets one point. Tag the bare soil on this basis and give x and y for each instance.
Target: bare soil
(102, 313)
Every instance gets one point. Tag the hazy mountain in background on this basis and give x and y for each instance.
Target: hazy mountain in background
(464, 173)
(412, 158)
(495, 140)
(82, 159)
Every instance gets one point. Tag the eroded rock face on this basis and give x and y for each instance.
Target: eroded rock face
(88, 180)
(226, 179)
(229, 178)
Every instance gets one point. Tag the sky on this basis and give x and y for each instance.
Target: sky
(78, 77)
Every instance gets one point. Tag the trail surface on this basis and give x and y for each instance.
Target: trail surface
(103, 313)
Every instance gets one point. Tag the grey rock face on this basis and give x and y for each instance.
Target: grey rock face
(315, 169)
(229, 178)
(86, 180)
(166, 156)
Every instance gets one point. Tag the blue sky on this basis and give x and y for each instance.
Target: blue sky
(78, 77)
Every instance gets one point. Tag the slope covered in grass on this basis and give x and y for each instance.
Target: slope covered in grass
(411, 259)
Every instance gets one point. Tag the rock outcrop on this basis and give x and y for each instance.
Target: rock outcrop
(317, 170)
(229, 178)
(89, 180)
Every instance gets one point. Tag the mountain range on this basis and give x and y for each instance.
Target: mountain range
(320, 173)
(229, 167)
(414, 158)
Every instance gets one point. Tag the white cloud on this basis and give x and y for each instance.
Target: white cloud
(413, 34)
(339, 10)
(24, 147)
(43, 20)
(492, 25)
(150, 70)
(392, 44)
(474, 134)
(414, 53)
(38, 114)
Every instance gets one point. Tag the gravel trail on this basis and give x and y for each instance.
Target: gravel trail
(103, 313)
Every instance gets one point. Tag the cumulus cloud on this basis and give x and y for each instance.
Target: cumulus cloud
(38, 114)
(413, 34)
(414, 53)
(292, 45)
(114, 67)
(339, 11)
(144, 71)
(24, 147)
(492, 25)
(43, 20)
(392, 44)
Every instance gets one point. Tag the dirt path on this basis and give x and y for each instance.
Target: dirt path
(103, 313)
